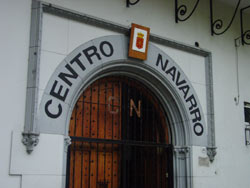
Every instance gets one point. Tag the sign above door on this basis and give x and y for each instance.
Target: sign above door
(138, 44)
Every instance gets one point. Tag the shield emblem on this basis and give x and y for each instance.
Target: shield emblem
(139, 40)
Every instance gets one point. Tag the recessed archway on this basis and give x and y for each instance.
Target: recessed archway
(107, 56)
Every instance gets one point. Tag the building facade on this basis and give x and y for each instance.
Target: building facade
(78, 111)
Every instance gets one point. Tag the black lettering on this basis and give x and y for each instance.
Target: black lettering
(87, 52)
(65, 76)
(185, 90)
(54, 116)
(172, 72)
(198, 129)
(178, 83)
(159, 60)
(197, 114)
(57, 93)
(77, 60)
(111, 49)
(192, 101)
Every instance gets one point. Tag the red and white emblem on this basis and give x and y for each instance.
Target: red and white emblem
(139, 40)
(138, 45)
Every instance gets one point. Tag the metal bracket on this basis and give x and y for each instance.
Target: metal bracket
(132, 3)
(245, 35)
(218, 24)
(211, 152)
(30, 140)
(181, 11)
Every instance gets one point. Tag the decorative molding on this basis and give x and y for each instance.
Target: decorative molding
(245, 35)
(181, 152)
(111, 65)
(67, 142)
(211, 152)
(181, 149)
(210, 104)
(30, 140)
(217, 25)
(99, 22)
(181, 11)
(30, 136)
(106, 24)
(132, 3)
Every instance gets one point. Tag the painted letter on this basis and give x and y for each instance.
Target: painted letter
(192, 101)
(185, 90)
(159, 59)
(89, 55)
(197, 115)
(132, 106)
(49, 113)
(111, 50)
(196, 129)
(109, 105)
(172, 72)
(57, 93)
(77, 60)
(65, 76)
(178, 83)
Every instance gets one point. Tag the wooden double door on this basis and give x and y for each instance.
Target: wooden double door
(120, 138)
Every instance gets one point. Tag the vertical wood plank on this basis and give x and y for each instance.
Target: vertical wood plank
(77, 174)
(86, 169)
(101, 130)
(109, 133)
(94, 110)
(87, 113)
(93, 165)
(86, 133)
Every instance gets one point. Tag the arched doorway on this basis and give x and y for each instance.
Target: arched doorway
(120, 137)
(106, 56)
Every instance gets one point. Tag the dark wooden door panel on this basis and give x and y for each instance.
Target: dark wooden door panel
(119, 137)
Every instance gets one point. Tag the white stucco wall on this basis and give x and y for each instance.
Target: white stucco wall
(60, 36)
(14, 37)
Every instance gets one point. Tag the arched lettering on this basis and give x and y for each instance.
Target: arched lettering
(58, 94)
(198, 129)
(51, 115)
(172, 72)
(185, 90)
(71, 74)
(159, 60)
(90, 52)
(78, 62)
(111, 49)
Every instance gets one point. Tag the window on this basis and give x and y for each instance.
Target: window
(247, 112)
(247, 122)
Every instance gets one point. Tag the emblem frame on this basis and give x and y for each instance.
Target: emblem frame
(138, 44)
